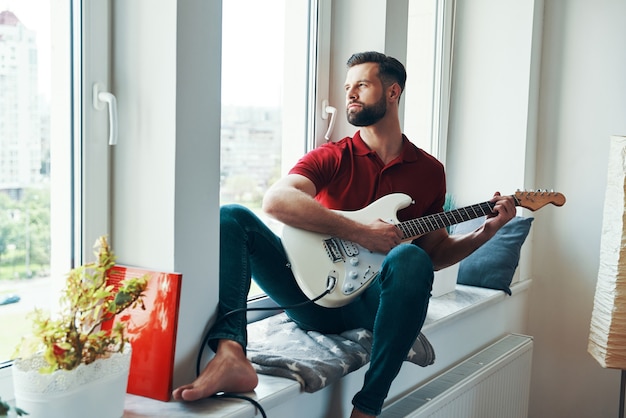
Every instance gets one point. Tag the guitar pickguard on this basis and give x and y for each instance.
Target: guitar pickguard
(360, 265)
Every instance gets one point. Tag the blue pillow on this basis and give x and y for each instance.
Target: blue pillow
(494, 263)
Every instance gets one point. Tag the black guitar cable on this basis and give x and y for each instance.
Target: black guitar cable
(329, 287)
(244, 397)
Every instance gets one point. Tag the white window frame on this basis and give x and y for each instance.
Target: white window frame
(78, 217)
(435, 103)
(444, 52)
(74, 231)
(320, 79)
(92, 172)
(317, 122)
(308, 125)
(94, 194)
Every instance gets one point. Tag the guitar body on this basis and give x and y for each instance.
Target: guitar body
(322, 263)
(317, 260)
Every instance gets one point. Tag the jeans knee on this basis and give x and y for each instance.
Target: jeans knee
(233, 212)
(411, 269)
(236, 216)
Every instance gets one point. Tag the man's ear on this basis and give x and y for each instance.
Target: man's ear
(394, 92)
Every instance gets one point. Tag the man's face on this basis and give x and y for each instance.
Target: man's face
(365, 99)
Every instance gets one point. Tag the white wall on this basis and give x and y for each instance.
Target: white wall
(166, 166)
(507, 133)
(492, 81)
(492, 121)
(582, 103)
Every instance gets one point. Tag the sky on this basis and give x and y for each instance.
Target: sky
(35, 15)
(252, 53)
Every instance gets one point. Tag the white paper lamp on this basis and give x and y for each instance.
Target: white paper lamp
(607, 336)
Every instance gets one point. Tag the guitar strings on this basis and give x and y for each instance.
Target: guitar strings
(423, 225)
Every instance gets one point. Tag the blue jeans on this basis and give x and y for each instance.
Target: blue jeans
(393, 307)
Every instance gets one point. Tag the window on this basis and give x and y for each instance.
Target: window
(429, 55)
(271, 95)
(25, 65)
(44, 118)
(258, 100)
(263, 104)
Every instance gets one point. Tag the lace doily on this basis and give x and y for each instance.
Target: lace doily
(27, 378)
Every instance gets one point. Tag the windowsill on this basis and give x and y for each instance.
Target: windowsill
(465, 299)
(272, 391)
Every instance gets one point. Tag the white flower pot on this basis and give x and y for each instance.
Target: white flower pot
(96, 390)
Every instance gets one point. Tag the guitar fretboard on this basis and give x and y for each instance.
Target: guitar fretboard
(420, 226)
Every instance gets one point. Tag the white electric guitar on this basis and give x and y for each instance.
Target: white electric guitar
(322, 263)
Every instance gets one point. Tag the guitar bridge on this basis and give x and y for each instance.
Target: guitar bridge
(333, 250)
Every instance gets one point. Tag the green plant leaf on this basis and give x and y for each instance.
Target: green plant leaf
(72, 336)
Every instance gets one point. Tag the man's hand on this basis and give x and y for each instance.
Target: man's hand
(504, 210)
(380, 236)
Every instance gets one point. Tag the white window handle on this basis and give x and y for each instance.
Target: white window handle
(104, 96)
(328, 110)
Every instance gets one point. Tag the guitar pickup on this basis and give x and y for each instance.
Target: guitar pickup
(350, 248)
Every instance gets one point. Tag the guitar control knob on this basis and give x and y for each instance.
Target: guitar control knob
(348, 287)
(354, 261)
(353, 275)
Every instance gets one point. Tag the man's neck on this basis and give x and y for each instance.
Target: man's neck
(384, 139)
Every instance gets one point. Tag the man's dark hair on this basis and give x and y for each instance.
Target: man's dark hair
(390, 70)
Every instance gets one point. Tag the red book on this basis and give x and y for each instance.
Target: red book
(151, 332)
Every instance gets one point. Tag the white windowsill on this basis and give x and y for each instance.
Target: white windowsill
(272, 391)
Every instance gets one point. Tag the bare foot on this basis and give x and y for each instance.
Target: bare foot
(228, 371)
(358, 414)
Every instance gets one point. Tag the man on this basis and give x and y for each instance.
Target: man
(347, 175)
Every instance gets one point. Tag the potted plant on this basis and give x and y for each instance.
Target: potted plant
(70, 352)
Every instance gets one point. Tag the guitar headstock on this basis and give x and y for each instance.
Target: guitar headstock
(536, 199)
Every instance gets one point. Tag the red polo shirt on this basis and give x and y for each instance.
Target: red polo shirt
(348, 175)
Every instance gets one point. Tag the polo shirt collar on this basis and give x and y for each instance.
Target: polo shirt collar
(409, 152)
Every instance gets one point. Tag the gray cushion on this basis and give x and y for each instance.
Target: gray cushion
(278, 347)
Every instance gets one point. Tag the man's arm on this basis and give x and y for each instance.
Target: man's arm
(445, 250)
(291, 201)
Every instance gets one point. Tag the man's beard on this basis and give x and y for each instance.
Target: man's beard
(368, 115)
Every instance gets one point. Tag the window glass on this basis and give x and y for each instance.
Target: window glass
(266, 82)
(429, 33)
(420, 65)
(263, 99)
(25, 82)
(254, 98)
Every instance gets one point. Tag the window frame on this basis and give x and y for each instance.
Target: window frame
(92, 202)
(319, 86)
(93, 195)
(78, 133)
(444, 52)
(296, 123)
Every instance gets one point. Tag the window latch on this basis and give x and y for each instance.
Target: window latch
(328, 110)
(99, 99)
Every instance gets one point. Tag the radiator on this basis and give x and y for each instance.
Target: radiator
(493, 383)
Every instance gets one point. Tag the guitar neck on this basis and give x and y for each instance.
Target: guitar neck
(416, 227)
